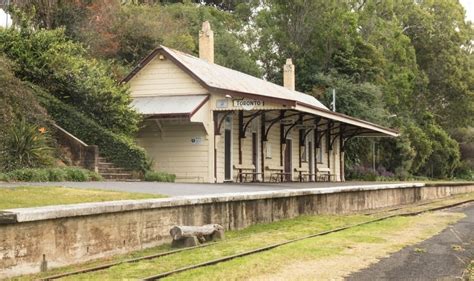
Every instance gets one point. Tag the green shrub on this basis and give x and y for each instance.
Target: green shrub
(25, 146)
(73, 174)
(28, 174)
(159, 176)
(57, 174)
(50, 59)
(50, 174)
(361, 173)
(119, 149)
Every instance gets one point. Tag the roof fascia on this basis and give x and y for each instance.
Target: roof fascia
(351, 120)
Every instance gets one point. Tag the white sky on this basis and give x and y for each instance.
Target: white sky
(3, 18)
(468, 5)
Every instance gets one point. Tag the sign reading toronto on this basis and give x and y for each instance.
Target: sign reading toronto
(247, 104)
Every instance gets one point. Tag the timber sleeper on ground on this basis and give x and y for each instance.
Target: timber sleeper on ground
(190, 236)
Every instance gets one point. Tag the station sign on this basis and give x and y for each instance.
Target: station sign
(247, 104)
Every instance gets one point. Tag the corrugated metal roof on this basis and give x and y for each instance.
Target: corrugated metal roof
(225, 78)
(216, 77)
(168, 105)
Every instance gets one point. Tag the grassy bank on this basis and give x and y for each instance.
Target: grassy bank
(22, 197)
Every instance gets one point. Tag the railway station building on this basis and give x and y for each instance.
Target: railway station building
(208, 123)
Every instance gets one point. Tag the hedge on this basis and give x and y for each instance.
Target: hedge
(50, 174)
(120, 150)
(159, 176)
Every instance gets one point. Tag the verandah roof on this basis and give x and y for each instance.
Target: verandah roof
(169, 105)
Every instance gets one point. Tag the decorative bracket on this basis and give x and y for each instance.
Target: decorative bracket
(338, 134)
(273, 122)
(287, 132)
(217, 129)
(252, 117)
(356, 133)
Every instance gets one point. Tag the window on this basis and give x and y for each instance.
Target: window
(304, 147)
(304, 153)
(320, 152)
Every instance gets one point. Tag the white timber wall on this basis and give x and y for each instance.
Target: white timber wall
(273, 160)
(163, 78)
(220, 146)
(172, 149)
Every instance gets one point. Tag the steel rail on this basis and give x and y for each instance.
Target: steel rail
(266, 248)
(215, 261)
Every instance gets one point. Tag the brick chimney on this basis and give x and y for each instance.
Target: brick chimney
(289, 75)
(206, 42)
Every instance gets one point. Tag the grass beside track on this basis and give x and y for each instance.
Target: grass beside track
(23, 197)
(329, 257)
(262, 235)
(470, 271)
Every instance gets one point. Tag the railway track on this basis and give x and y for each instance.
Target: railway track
(250, 252)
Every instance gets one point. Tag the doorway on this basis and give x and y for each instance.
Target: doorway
(288, 158)
(311, 162)
(227, 155)
(255, 154)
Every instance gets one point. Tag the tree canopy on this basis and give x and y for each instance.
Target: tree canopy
(401, 63)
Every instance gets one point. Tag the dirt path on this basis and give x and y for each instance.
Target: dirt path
(444, 256)
(357, 256)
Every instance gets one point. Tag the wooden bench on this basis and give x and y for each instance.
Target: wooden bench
(277, 173)
(246, 170)
(324, 174)
(303, 174)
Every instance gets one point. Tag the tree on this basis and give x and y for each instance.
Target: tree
(443, 43)
(50, 60)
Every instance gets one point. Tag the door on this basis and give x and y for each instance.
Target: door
(227, 155)
(255, 153)
(288, 156)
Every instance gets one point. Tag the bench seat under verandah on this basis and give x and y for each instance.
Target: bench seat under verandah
(323, 174)
(246, 172)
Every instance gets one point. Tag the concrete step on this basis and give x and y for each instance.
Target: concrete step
(116, 176)
(110, 172)
(106, 165)
(111, 169)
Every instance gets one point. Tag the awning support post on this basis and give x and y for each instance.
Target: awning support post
(241, 136)
(263, 139)
(328, 143)
(282, 141)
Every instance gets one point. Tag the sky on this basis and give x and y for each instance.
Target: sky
(468, 5)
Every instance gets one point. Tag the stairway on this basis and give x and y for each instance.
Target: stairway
(109, 172)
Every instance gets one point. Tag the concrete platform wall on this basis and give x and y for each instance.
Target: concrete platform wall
(81, 232)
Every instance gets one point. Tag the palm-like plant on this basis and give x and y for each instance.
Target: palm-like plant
(25, 146)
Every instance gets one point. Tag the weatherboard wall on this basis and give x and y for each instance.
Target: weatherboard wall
(163, 78)
(177, 147)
